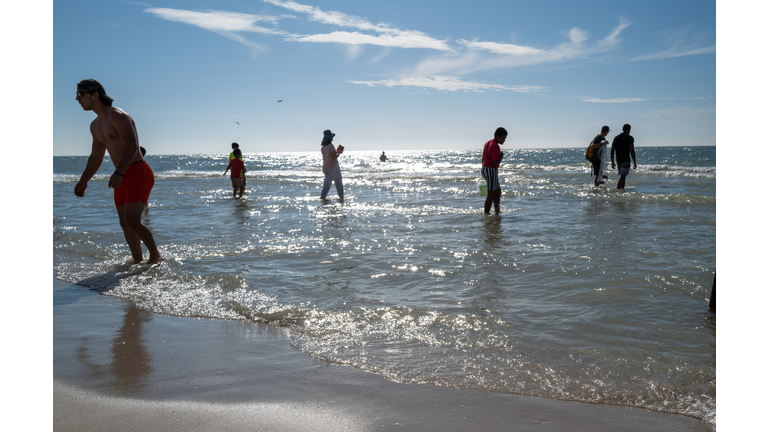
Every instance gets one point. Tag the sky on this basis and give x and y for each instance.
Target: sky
(387, 75)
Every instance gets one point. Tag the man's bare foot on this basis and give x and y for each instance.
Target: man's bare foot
(154, 258)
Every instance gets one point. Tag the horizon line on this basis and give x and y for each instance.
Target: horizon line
(402, 150)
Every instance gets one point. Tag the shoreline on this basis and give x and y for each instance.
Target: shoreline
(118, 367)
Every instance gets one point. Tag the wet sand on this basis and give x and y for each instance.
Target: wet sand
(119, 368)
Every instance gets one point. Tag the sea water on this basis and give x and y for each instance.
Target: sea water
(573, 292)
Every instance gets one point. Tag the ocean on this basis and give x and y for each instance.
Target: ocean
(573, 292)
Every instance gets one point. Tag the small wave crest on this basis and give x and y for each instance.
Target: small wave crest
(676, 170)
(74, 178)
(164, 288)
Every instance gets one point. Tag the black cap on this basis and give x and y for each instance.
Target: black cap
(94, 86)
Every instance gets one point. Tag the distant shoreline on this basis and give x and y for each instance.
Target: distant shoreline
(479, 147)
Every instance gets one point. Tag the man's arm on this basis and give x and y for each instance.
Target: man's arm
(632, 153)
(98, 149)
(126, 132)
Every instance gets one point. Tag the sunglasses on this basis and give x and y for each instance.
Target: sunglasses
(82, 92)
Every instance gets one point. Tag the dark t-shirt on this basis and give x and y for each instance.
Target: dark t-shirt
(622, 144)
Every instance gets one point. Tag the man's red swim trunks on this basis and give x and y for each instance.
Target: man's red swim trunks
(137, 183)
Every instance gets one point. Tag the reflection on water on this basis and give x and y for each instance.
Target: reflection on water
(492, 231)
(241, 211)
(130, 362)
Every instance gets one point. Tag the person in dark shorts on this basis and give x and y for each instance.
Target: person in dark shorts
(597, 150)
(623, 147)
(492, 156)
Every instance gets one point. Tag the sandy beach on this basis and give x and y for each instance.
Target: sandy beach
(120, 368)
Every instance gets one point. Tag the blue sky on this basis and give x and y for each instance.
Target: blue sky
(197, 75)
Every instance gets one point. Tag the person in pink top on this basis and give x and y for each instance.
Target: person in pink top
(492, 156)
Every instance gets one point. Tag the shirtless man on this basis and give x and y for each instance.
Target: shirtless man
(114, 131)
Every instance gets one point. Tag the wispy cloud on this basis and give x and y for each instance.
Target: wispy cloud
(495, 55)
(226, 24)
(477, 55)
(615, 100)
(612, 39)
(629, 100)
(499, 48)
(676, 51)
(335, 18)
(449, 83)
(385, 40)
(229, 24)
(219, 21)
(385, 52)
(683, 43)
(442, 72)
(387, 35)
